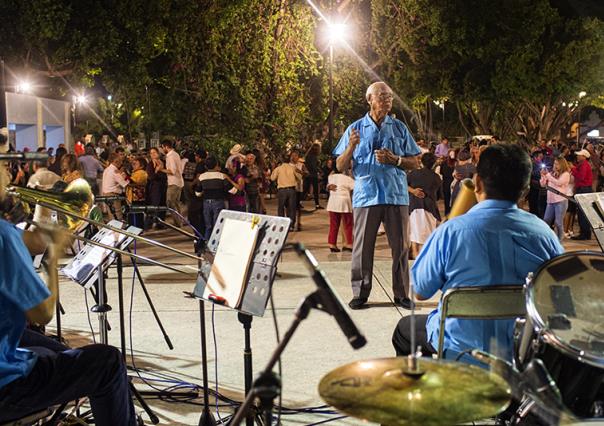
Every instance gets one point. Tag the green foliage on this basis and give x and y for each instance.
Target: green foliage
(256, 71)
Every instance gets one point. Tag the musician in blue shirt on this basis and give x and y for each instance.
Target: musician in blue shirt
(493, 243)
(37, 378)
(379, 148)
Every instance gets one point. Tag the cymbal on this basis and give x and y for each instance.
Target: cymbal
(447, 393)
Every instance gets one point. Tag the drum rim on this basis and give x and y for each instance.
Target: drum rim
(539, 324)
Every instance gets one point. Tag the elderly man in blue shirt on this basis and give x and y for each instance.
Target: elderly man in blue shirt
(379, 148)
(494, 243)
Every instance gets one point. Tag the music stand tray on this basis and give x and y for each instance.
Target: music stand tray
(272, 235)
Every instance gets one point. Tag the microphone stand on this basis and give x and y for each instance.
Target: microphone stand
(268, 384)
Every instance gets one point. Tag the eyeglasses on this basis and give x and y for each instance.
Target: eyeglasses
(385, 96)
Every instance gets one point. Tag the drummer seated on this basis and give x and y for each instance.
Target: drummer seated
(44, 375)
(494, 243)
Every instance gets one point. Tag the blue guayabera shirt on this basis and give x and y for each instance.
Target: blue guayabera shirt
(20, 290)
(494, 243)
(377, 183)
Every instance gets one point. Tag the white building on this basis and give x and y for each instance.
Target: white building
(37, 122)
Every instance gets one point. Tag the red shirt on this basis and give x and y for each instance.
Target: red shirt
(582, 174)
(79, 148)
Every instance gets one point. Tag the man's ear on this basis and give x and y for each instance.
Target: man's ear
(478, 185)
(525, 192)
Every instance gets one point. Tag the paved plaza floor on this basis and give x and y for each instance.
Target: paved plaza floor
(317, 347)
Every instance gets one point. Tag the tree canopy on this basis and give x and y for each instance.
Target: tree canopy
(256, 71)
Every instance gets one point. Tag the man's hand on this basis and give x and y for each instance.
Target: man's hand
(343, 162)
(332, 187)
(418, 192)
(385, 156)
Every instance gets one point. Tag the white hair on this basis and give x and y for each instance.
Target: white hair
(372, 87)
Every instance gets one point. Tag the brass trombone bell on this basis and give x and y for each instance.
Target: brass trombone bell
(466, 199)
(77, 198)
(75, 203)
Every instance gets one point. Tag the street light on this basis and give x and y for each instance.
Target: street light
(24, 86)
(336, 33)
(81, 99)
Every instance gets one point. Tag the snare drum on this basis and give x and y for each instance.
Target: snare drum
(565, 326)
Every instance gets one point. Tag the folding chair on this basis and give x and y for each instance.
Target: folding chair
(481, 302)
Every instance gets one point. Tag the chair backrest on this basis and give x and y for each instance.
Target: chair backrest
(481, 302)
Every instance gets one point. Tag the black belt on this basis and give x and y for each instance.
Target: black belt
(286, 187)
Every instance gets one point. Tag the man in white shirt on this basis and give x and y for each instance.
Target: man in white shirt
(42, 179)
(114, 182)
(176, 182)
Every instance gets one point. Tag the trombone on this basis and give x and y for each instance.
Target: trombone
(74, 203)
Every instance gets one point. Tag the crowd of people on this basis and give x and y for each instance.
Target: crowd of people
(193, 185)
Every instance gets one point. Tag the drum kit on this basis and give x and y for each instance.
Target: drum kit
(556, 376)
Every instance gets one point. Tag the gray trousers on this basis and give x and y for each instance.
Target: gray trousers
(173, 201)
(366, 223)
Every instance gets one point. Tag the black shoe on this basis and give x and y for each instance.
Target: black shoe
(404, 303)
(347, 249)
(334, 249)
(318, 207)
(357, 303)
(580, 238)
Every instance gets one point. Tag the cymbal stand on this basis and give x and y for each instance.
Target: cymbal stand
(412, 369)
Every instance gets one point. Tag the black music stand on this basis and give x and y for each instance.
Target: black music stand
(592, 205)
(261, 274)
(92, 273)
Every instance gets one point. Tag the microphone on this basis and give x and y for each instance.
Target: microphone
(147, 209)
(26, 156)
(108, 198)
(330, 300)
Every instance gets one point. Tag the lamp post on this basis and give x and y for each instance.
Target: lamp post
(78, 100)
(335, 33)
(582, 94)
(3, 118)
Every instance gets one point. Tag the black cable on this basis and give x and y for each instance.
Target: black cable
(387, 295)
(462, 353)
(279, 361)
(215, 361)
(328, 420)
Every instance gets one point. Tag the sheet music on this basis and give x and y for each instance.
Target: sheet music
(83, 267)
(229, 271)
